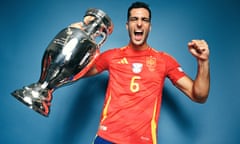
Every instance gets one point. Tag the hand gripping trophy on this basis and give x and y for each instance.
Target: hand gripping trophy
(67, 58)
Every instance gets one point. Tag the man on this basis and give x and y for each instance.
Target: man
(136, 77)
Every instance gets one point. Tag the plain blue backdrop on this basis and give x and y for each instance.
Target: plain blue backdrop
(28, 26)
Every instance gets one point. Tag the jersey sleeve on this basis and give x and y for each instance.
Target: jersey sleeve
(174, 70)
(102, 61)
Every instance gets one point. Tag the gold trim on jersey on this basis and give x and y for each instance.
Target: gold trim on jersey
(105, 110)
(154, 123)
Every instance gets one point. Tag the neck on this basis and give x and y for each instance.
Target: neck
(139, 47)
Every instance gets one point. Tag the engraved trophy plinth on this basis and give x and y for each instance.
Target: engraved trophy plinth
(67, 58)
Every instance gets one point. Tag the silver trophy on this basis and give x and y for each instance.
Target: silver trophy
(67, 58)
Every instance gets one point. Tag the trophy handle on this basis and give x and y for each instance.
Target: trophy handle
(98, 24)
(104, 37)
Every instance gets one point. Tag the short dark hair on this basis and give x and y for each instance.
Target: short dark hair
(139, 5)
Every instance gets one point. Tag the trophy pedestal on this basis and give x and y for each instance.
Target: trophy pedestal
(36, 97)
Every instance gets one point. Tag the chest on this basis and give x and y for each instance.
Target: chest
(148, 68)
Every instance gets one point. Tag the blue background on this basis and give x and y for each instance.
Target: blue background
(28, 26)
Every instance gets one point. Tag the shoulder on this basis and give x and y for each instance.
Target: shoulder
(167, 56)
(164, 57)
(113, 51)
(162, 54)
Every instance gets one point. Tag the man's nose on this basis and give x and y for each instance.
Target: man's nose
(139, 23)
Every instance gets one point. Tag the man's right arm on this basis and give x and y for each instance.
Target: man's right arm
(91, 72)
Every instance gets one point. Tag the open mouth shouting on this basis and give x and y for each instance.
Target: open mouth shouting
(138, 35)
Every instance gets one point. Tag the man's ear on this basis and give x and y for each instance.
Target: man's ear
(127, 25)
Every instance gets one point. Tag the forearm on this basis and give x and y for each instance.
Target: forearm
(201, 84)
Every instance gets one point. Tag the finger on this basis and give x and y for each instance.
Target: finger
(196, 50)
(193, 47)
(88, 19)
(77, 25)
(193, 52)
(199, 45)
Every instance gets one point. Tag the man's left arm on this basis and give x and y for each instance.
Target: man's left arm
(198, 89)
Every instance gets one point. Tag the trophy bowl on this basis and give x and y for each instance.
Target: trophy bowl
(67, 58)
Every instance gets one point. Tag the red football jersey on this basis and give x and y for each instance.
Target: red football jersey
(134, 93)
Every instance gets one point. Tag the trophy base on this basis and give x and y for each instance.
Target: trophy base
(35, 98)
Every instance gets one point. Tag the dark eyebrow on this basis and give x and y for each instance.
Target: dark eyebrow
(136, 18)
(146, 19)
